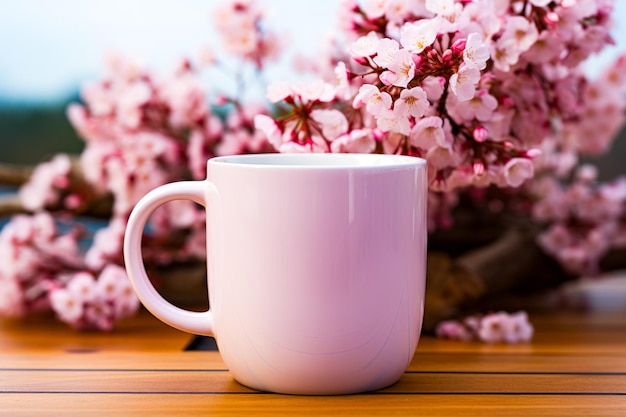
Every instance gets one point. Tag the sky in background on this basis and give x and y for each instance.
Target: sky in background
(47, 48)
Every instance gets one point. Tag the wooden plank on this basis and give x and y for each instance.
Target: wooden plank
(113, 360)
(446, 362)
(140, 333)
(190, 405)
(209, 382)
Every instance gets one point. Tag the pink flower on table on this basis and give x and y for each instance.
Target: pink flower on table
(463, 82)
(494, 327)
(519, 329)
(412, 102)
(416, 36)
(452, 329)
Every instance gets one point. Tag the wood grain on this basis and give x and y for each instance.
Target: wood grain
(575, 366)
(19, 405)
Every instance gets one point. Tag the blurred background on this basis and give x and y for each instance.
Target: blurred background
(48, 49)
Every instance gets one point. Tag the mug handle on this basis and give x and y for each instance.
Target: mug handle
(200, 323)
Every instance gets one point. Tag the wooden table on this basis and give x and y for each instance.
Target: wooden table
(576, 366)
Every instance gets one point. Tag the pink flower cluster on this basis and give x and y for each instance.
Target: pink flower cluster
(43, 270)
(88, 301)
(490, 93)
(475, 87)
(583, 219)
(239, 25)
(495, 327)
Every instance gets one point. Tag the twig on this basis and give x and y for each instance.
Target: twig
(10, 204)
(13, 174)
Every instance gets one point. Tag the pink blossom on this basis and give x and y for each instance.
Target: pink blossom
(416, 36)
(47, 183)
(463, 82)
(520, 329)
(451, 329)
(434, 87)
(357, 141)
(374, 8)
(402, 67)
(428, 132)
(442, 157)
(495, 327)
(107, 245)
(480, 107)
(66, 305)
(505, 54)
(12, 303)
(366, 45)
(412, 102)
(522, 31)
(268, 126)
(82, 287)
(375, 101)
(332, 123)
(441, 7)
(518, 170)
(389, 121)
(314, 90)
(475, 53)
(278, 91)
(386, 51)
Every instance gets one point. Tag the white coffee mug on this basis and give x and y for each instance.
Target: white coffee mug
(316, 267)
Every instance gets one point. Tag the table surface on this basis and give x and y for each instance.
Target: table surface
(575, 366)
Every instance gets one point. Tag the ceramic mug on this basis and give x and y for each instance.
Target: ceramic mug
(316, 267)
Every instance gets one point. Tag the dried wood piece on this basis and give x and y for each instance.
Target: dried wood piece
(13, 174)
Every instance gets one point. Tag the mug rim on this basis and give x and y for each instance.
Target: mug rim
(318, 161)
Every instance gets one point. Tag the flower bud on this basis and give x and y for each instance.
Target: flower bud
(532, 153)
(480, 134)
(458, 46)
(478, 168)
